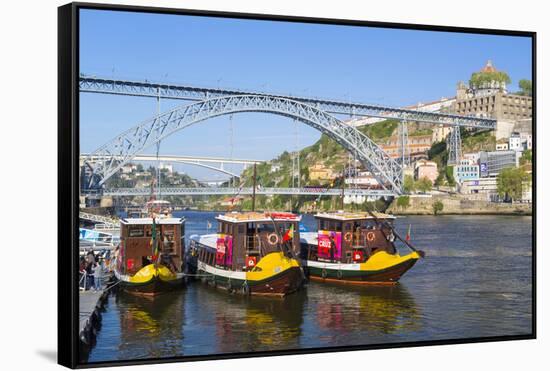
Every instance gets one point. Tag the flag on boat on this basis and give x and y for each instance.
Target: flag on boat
(154, 243)
(408, 236)
(289, 235)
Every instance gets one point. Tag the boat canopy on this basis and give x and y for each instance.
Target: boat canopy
(149, 221)
(342, 216)
(253, 217)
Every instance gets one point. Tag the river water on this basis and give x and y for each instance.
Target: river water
(474, 282)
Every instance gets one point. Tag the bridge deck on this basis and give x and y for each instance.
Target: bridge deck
(180, 191)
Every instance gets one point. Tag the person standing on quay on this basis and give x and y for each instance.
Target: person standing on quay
(98, 275)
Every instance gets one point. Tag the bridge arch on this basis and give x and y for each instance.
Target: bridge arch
(125, 146)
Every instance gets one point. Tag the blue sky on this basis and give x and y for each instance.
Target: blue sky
(383, 66)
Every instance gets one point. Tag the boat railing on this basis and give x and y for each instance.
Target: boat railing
(82, 283)
(253, 244)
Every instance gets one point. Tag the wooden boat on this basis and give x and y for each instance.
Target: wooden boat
(354, 248)
(252, 254)
(149, 261)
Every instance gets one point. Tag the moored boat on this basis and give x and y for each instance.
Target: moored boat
(355, 248)
(252, 254)
(150, 258)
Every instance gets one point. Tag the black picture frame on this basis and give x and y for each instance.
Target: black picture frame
(68, 181)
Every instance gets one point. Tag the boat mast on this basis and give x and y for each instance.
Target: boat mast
(343, 188)
(254, 189)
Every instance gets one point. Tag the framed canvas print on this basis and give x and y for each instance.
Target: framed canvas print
(243, 185)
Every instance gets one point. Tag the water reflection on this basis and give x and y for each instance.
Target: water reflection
(150, 327)
(370, 309)
(254, 323)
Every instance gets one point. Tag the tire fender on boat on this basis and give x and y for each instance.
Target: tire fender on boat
(371, 236)
(339, 274)
(324, 273)
(272, 239)
(348, 237)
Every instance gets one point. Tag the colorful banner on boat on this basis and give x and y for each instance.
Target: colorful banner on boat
(329, 245)
(224, 249)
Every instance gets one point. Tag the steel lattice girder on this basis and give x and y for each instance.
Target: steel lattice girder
(454, 145)
(125, 146)
(187, 92)
(180, 191)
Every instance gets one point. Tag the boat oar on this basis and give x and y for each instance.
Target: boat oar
(407, 243)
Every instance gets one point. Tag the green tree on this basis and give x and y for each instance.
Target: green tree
(450, 176)
(440, 179)
(437, 207)
(526, 157)
(408, 184)
(403, 202)
(510, 182)
(424, 184)
(480, 79)
(526, 87)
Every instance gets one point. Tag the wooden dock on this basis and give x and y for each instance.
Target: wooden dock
(88, 303)
(91, 304)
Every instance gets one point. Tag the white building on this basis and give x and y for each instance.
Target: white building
(503, 146)
(514, 142)
(128, 168)
(526, 141)
(473, 158)
(275, 167)
(482, 185)
(363, 178)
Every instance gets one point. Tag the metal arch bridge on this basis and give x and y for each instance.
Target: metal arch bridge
(93, 84)
(114, 154)
(207, 191)
(204, 162)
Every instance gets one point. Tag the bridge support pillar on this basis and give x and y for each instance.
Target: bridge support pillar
(454, 146)
(404, 150)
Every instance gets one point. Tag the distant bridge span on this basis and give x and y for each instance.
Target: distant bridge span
(188, 160)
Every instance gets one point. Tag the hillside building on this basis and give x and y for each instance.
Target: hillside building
(491, 99)
(320, 172)
(466, 170)
(492, 163)
(426, 169)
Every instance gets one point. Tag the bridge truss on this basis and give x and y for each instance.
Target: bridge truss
(127, 145)
(92, 84)
(208, 191)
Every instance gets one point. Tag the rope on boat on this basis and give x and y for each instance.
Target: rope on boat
(198, 275)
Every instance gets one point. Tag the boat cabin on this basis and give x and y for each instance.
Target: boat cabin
(350, 237)
(137, 251)
(244, 238)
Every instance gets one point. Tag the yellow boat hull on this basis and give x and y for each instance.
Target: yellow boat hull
(151, 280)
(381, 268)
